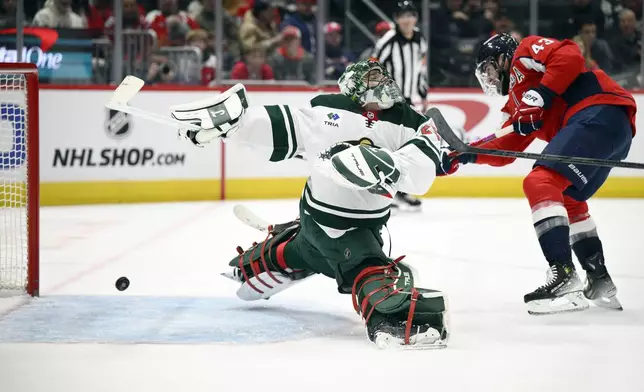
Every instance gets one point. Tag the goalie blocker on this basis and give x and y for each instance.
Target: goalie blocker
(396, 312)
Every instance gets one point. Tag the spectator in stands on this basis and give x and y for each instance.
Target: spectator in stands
(610, 9)
(595, 51)
(194, 8)
(253, 67)
(381, 28)
(625, 43)
(170, 24)
(161, 70)
(579, 11)
(635, 6)
(258, 28)
(291, 61)
(337, 59)
(8, 13)
(234, 7)
(454, 21)
(133, 18)
(177, 29)
(503, 23)
(304, 19)
(200, 40)
(58, 14)
(206, 19)
(479, 25)
(95, 15)
(491, 9)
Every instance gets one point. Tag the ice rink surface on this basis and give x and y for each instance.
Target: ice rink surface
(179, 327)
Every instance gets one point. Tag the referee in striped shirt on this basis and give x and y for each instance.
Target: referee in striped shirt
(401, 51)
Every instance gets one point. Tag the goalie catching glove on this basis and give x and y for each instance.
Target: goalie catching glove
(364, 167)
(218, 116)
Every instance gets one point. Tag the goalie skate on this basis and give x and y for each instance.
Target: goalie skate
(563, 292)
(422, 337)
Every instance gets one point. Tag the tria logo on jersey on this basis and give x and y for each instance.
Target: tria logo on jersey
(333, 117)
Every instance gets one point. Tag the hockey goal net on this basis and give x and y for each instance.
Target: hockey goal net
(19, 182)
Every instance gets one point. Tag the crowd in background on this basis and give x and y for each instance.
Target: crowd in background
(277, 39)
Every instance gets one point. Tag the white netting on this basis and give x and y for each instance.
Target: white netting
(13, 181)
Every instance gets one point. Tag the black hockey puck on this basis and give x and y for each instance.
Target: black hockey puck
(122, 283)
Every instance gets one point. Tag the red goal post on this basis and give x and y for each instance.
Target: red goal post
(19, 179)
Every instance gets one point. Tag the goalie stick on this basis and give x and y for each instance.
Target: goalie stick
(458, 145)
(250, 219)
(127, 90)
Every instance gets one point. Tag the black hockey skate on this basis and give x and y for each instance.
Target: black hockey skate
(563, 292)
(391, 334)
(406, 202)
(599, 287)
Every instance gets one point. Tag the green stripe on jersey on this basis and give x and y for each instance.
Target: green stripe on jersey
(291, 127)
(340, 217)
(427, 147)
(280, 133)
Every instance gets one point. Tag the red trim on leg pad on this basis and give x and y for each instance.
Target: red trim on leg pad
(254, 265)
(246, 279)
(264, 263)
(280, 254)
(410, 316)
(364, 273)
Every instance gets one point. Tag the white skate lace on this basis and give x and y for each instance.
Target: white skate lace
(551, 277)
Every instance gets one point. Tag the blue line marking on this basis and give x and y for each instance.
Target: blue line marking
(132, 319)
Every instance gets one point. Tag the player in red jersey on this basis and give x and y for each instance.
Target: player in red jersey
(579, 112)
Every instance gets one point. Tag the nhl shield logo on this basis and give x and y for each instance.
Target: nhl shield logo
(117, 125)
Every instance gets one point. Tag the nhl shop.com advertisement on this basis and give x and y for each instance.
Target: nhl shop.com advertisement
(117, 127)
(83, 141)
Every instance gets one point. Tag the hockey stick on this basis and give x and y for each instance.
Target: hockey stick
(126, 91)
(458, 145)
(500, 133)
(249, 218)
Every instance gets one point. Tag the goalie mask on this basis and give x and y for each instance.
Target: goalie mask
(491, 70)
(368, 81)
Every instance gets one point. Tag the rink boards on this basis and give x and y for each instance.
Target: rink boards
(91, 155)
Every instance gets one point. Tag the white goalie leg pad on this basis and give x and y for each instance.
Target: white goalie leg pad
(218, 116)
(258, 288)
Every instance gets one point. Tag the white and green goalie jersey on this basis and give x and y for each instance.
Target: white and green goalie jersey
(280, 132)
